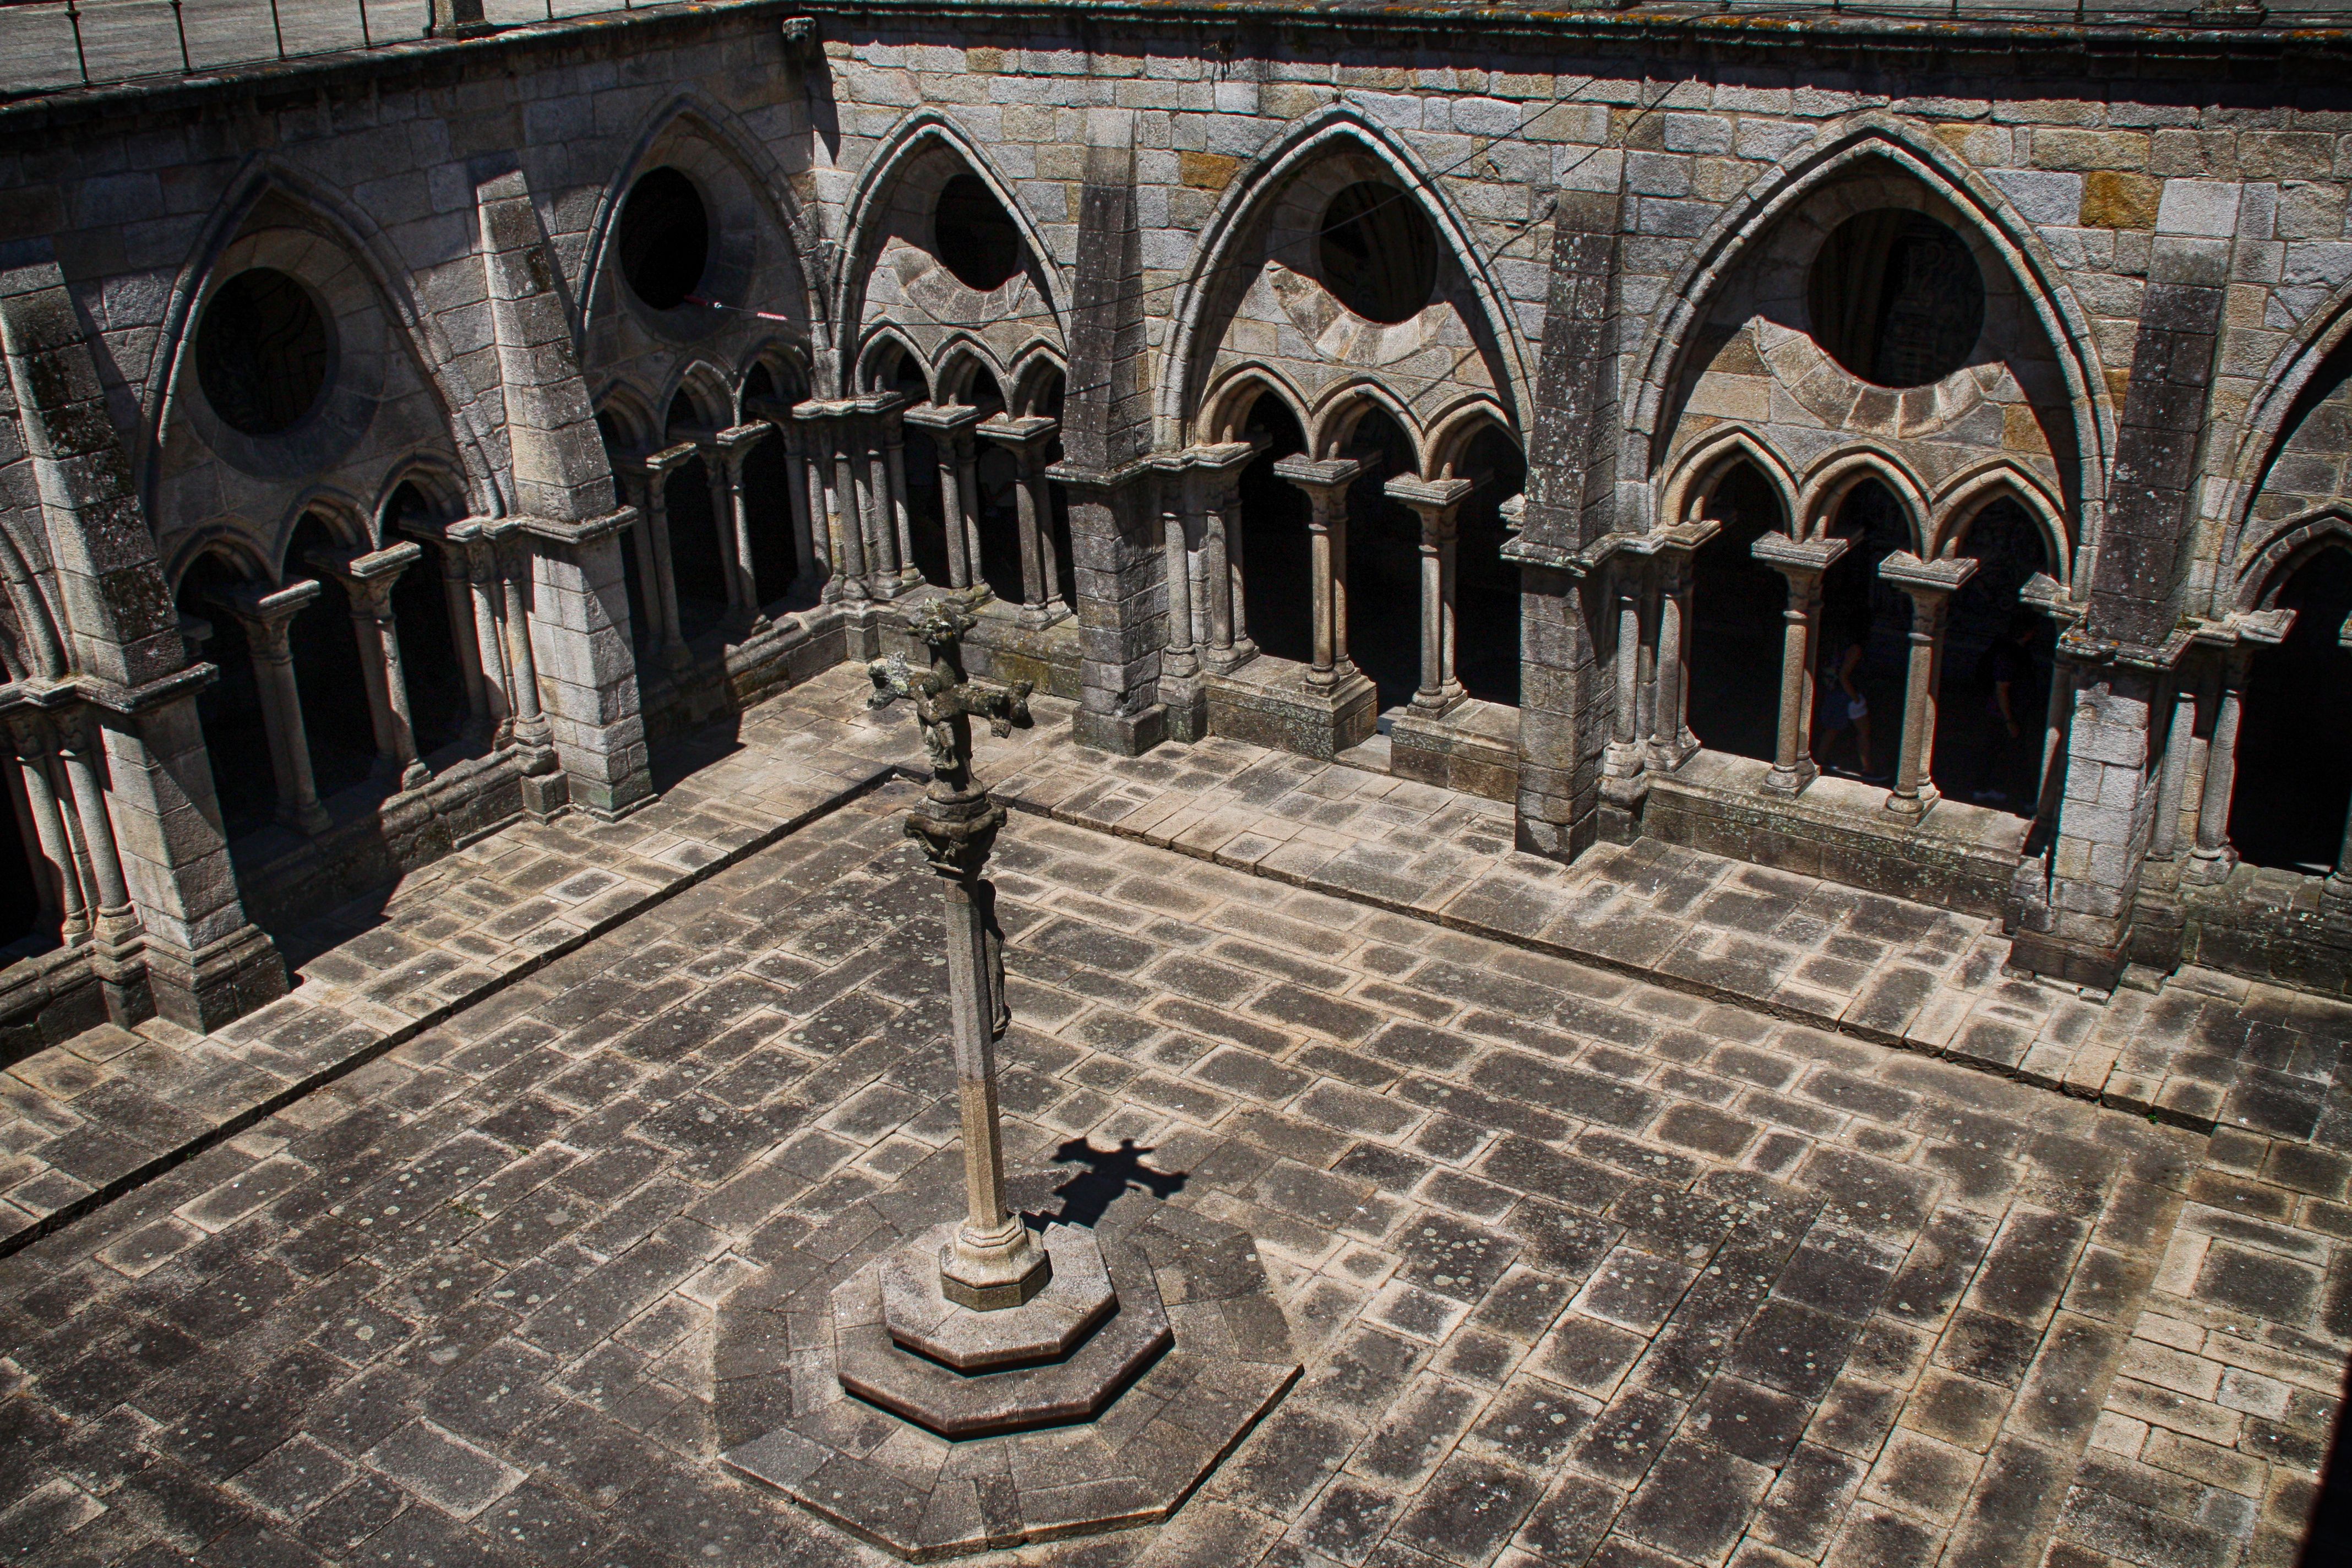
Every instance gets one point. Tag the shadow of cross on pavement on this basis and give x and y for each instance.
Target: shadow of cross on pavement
(1109, 1175)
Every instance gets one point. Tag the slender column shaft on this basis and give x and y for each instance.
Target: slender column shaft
(78, 746)
(1914, 790)
(373, 674)
(1178, 567)
(1216, 577)
(742, 583)
(894, 451)
(1645, 667)
(2173, 780)
(372, 610)
(281, 720)
(1238, 579)
(716, 477)
(1338, 579)
(961, 568)
(1430, 694)
(975, 1051)
(805, 559)
(530, 724)
(62, 873)
(663, 588)
(1628, 662)
(488, 644)
(874, 505)
(1669, 716)
(847, 519)
(2221, 765)
(1789, 754)
(968, 499)
(458, 603)
(2055, 719)
(1196, 571)
(1036, 568)
(1324, 669)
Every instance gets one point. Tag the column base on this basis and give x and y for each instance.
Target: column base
(209, 988)
(1915, 805)
(1274, 702)
(2205, 870)
(416, 776)
(545, 794)
(1037, 618)
(308, 821)
(1666, 756)
(1790, 781)
(1122, 734)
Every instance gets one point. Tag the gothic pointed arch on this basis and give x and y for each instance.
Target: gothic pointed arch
(2047, 337)
(1955, 508)
(895, 274)
(2292, 462)
(31, 630)
(1687, 489)
(2255, 582)
(1254, 226)
(382, 376)
(1829, 482)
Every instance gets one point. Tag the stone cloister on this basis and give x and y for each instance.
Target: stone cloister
(1845, 516)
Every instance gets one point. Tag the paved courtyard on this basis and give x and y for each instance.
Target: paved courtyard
(1581, 1266)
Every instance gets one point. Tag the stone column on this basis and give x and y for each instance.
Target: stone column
(482, 615)
(367, 581)
(894, 473)
(34, 745)
(449, 557)
(577, 634)
(734, 445)
(543, 779)
(265, 616)
(1801, 564)
(951, 426)
(1026, 439)
(2172, 781)
(1436, 502)
(832, 494)
(1326, 484)
(2213, 854)
(1930, 584)
(869, 472)
(967, 458)
(661, 593)
(1213, 475)
(1671, 742)
(115, 951)
(1626, 754)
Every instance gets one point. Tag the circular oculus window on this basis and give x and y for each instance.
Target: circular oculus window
(1897, 297)
(263, 353)
(975, 239)
(665, 238)
(1378, 252)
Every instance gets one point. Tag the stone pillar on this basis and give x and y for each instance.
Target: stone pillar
(1802, 563)
(576, 635)
(951, 426)
(661, 592)
(734, 446)
(1026, 439)
(367, 581)
(2172, 781)
(1626, 752)
(967, 459)
(116, 950)
(34, 745)
(482, 617)
(265, 616)
(1671, 743)
(886, 577)
(1326, 484)
(832, 495)
(894, 473)
(1436, 502)
(1930, 584)
(2213, 854)
(543, 779)
(449, 556)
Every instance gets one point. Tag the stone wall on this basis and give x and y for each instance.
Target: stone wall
(1622, 217)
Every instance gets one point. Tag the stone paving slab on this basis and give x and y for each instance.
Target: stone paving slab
(92, 1118)
(2208, 1050)
(1580, 1269)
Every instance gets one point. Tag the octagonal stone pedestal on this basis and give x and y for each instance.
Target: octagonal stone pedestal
(785, 1360)
(1060, 1356)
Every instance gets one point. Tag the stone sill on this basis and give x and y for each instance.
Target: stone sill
(1473, 748)
(34, 977)
(1957, 857)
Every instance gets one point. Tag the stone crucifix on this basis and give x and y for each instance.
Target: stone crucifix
(993, 1261)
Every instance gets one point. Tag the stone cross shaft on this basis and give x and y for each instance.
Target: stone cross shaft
(992, 1262)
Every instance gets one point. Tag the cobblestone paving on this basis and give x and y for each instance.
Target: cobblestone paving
(1582, 1269)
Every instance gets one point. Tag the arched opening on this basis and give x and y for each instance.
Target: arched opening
(1048, 403)
(1863, 648)
(768, 494)
(236, 737)
(2295, 736)
(641, 623)
(665, 237)
(428, 644)
(1735, 629)
(1992, 707)
(1897, 297)
(264, 350)
(698, 571)
(995, 474)
(974, 239)
(1277, 571)
(926, 513)
(1486, 586)
(1378, 252)
(336, 716)
(1383, 561)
